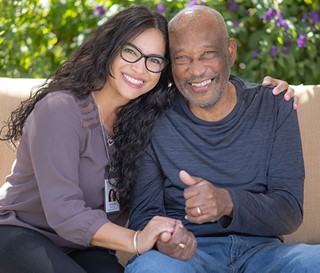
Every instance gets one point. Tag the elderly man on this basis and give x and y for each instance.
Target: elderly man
(221, 162)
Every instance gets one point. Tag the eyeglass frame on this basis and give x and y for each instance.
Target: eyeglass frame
(146, 57)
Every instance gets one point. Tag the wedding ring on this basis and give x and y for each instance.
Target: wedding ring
(181, 245)
(199, 211)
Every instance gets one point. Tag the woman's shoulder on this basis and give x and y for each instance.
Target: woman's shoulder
(60, 98)
(67, 103)
(57, 100)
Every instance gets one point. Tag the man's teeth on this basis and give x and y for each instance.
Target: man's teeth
(132, 80)
(199, 84)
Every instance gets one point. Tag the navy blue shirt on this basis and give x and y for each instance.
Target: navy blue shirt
(254, 152)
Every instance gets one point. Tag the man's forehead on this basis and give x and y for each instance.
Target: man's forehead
(206, 30)
(187, 20)
(196, 48)
(190, 12)
(194, 34)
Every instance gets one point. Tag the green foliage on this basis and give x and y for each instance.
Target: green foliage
(276, 38)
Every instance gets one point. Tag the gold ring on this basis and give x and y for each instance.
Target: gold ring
(199, 211)
(181, 245)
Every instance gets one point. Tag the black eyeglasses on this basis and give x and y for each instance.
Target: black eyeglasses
(153, 62)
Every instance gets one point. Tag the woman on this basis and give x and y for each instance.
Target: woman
(64, 155)
(54, 209)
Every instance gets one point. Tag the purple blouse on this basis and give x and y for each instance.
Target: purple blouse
(57, 182)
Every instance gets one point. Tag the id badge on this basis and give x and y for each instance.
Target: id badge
(110, 200)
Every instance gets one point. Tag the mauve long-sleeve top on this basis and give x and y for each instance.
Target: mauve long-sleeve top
(57, 181)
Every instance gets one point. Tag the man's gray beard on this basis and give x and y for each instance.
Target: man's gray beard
(206, 104)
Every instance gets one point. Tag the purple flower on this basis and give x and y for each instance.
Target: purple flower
(255, 54)
(233, 6)
(302, 41)
(274, 51)
(285, 50)
(236, 23)
(280, 22)
(195, 2)
(304, 17)
(160, 8)
(314, 16)
(99, 10)
(284, 24)
(269, 15)
(287, 43)
(192, 3)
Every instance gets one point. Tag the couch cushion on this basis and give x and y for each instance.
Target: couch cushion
(309, 121)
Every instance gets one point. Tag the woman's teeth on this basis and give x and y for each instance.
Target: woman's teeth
(132, 80)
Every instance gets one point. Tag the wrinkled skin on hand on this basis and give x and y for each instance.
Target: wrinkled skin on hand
(181, 244)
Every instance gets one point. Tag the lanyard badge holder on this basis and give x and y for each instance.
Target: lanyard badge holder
(110, 197)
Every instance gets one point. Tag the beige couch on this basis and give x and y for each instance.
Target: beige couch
(13, 90)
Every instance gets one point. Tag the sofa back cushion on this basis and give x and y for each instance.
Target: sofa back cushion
(309, 121)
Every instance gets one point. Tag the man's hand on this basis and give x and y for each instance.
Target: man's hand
(282, 86)
(181, 244)
(204, 201)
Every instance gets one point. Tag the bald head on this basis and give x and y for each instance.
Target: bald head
(198, 17)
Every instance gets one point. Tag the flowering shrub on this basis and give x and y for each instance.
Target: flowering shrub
(280, 38)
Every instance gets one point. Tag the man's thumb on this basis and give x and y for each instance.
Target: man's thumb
(187, 178)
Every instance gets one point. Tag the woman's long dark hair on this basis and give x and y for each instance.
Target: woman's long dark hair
(89, 69)
(135, 122)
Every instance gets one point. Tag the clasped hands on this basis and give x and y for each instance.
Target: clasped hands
(203, 203)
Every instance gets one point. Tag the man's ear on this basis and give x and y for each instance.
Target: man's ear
(232, 46)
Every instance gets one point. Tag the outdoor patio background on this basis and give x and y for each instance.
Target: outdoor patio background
(276, 38)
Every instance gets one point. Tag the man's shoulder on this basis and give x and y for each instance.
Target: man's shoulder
(250, 90)
(248, 86)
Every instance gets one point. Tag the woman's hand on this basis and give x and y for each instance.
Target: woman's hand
(281, 86)
(158, 225)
